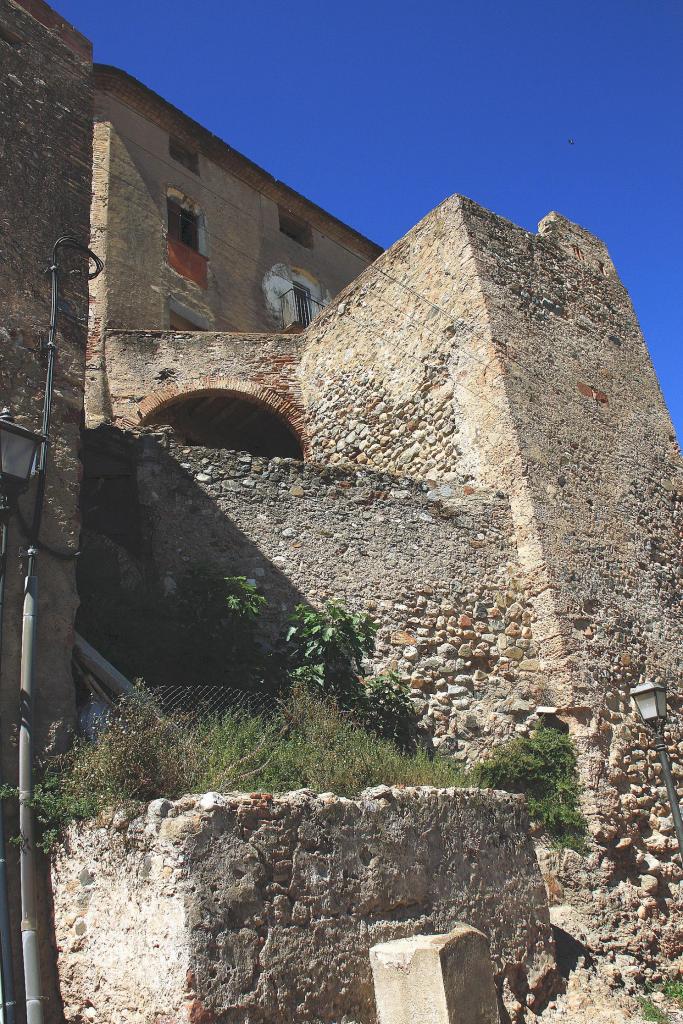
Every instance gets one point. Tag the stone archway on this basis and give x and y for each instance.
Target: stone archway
(226, 412)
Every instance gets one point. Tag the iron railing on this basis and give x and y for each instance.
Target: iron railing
(298, 307)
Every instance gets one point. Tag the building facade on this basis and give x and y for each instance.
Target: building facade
(196, 237)
(463, 434)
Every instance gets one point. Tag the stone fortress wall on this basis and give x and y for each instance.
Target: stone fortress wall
(436, 566)
(474, 358)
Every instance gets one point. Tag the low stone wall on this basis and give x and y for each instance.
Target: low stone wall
(249, 909)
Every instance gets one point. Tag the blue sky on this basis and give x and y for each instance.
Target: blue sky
(378, 109)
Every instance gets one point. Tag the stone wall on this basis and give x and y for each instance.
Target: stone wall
(434, 565)
(263, 909)
(544, 388)
(45, 144)
(45, 153)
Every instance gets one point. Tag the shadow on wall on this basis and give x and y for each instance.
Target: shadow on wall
(152, 592)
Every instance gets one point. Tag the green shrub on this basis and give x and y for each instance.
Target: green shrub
(674, 990)
(386, 709)
(543, 767)
(324, 652)
(242, 598)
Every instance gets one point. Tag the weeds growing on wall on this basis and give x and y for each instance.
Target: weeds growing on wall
(543, 767)
(142, 754)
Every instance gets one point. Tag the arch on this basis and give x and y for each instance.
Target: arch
(168, 404)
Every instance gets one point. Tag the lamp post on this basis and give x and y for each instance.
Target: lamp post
(650, 700)
(29, 633)
(18, 452)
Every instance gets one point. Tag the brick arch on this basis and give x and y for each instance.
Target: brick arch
(285, 409)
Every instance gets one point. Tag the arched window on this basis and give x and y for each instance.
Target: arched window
(186, 236)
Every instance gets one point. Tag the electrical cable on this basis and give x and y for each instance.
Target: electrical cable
(63, 555)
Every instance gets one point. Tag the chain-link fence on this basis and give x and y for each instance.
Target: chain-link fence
(202, 701)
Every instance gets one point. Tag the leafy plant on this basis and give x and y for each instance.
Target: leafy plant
(542, 766)
(242, 598)
(324, 652)
(326, 648)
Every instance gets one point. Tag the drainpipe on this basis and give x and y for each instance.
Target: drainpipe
(29, 922)
(6, 965)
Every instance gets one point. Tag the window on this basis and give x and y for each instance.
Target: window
(183, 225)
(295, 228)
(186, 242)
(182, 155)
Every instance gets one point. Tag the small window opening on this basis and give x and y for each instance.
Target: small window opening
(182, 155)
(295, 228)
(183, 225)
(10, 37)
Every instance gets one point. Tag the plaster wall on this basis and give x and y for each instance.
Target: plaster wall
(243, 240)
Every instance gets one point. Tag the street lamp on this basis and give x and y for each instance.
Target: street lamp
(650, 700)
(18, 450)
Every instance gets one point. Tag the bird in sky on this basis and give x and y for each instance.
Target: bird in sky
(570, 141)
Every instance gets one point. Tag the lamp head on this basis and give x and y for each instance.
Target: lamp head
(650, 700)
(18, 448)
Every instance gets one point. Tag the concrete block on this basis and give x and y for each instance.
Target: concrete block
(435, 979)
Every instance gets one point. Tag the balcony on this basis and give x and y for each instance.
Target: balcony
(298, 307)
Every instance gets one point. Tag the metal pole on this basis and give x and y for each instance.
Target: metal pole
(6, 965)
(29, 921)
(660, 747)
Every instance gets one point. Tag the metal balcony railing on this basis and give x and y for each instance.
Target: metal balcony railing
(298, 307)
